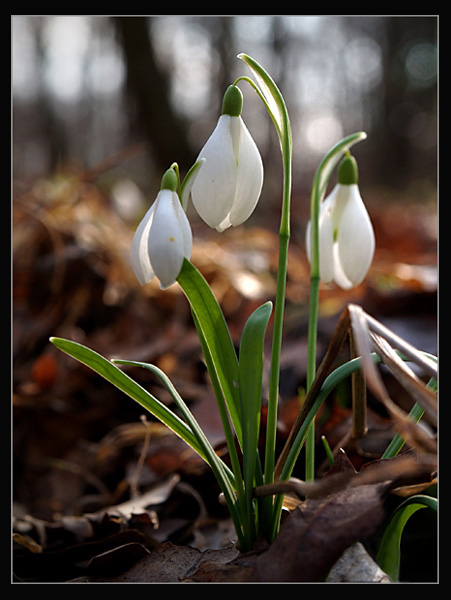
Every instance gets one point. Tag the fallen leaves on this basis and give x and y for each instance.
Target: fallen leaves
(80, 512)
(341, 509)
(174, 564)
(315, 535)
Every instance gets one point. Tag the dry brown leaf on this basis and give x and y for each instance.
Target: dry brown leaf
(314, 536)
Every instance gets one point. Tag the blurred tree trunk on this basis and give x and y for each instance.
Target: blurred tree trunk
(400, 161)
(149, 88)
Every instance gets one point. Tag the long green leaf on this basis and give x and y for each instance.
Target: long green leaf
(216, 337)
(222, 473)
(250, 386)
(118, 378)
(184, 410)
(389, 553)
(223, 412)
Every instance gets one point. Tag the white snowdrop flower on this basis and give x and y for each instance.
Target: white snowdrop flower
(228, 186)
(163, 238)
(346, 236)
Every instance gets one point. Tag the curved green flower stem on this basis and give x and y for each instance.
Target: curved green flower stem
(319, 186)
(284, 238)
(275, 104)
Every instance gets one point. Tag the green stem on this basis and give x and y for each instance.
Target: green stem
(315, 203)
(284, 239)
(274, 102)
(319, 186)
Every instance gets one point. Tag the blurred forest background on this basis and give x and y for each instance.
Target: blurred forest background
(85, 87)
(101, 107)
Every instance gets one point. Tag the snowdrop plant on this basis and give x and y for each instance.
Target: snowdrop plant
(225, 184)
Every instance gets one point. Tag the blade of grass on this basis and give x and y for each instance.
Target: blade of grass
(415, 415)
(364, 328)
(335, 345)
(423, 394)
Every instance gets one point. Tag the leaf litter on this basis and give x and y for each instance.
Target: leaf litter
(83, 510)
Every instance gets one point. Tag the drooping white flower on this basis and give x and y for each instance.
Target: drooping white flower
(163, 238)
(228, 186)
(346, 236)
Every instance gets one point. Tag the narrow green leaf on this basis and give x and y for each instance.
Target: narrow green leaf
(114, 375)
(223, 475)
(389, 553)
(250, 386)
(222, 408)
(216, 337)
(331, 381)
(208, 450)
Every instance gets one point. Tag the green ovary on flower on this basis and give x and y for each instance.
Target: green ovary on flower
(232, 103)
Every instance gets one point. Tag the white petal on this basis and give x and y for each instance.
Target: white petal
(355, 239)
(326, 247)
(339, 276)
(185, 230)
(213, 190)
(140, 254)
(189, 180)
(168, 238)
(249, 176)
(326, 239)
(336, 202)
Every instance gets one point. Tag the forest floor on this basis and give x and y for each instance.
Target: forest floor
(102, 493)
